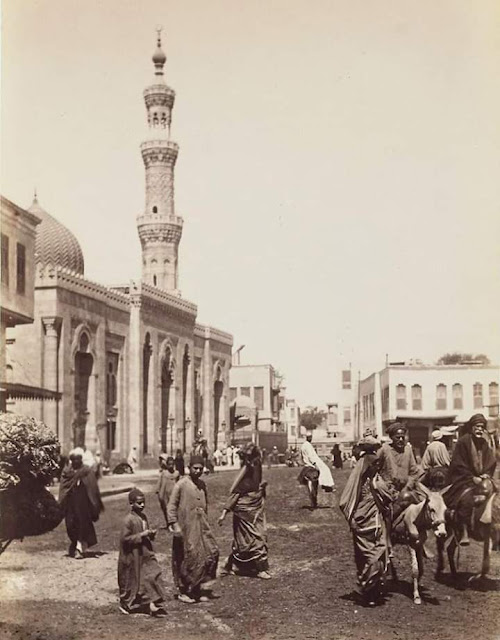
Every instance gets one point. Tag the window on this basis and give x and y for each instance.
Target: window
(258, 397)
(155, 209)
(292, 412)
(401, 397)
(5, 259)
(233, 392)
(441, 396)
(21, 268)
(346, 379)
(347, 416)
(458, 396)
(110, 435)
(372, 406)
(385, 399)
(245, 391)
(416, 397)
(493, 403)
(477, 390)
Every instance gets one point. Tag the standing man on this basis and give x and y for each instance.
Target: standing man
(436, 454)
(80, 500)
(315, 472)
(194, 551)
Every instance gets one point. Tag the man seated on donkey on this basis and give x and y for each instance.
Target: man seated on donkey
(472, 463)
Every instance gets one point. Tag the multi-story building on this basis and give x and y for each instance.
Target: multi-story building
(260, 383)
(428, 396)
(129, 366)
(292, 421)
(17, 280)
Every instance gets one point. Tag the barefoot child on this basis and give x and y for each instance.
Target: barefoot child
(139, 574)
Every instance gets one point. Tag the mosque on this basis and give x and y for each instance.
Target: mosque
(114, 368)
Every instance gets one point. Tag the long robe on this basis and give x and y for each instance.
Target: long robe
(471, 458)
(80, 500)
(164, 488)
(362, 503)
(397, 468)
(247, 499)
(311, 459)
(139, 574)
(194, 555)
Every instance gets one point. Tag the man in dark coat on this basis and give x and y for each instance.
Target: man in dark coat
(472, 461)
(80, 499)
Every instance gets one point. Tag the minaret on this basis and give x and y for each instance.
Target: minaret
(159, 228)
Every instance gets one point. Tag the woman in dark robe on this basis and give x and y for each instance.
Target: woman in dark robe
(363, 502)
(139, 574)
(80, 500)
(249, 548)
(337, 457)
(179, 462)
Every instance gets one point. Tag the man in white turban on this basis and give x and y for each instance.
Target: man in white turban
(436, 454)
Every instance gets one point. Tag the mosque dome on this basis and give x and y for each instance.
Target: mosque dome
(55, 244)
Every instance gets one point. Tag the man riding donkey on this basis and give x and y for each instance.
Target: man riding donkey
(471, 469)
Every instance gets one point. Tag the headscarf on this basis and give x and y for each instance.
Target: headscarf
(133, 494)
(368, 445)
(437, 434)
(477, 418)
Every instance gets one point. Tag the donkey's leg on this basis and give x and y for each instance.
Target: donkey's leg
(440, 556)
(485, 565)
(415, 572)
(452, 547)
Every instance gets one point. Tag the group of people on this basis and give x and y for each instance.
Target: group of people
(386, 479)
(183, 500)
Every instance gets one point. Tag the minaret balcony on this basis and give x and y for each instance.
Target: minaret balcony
(159, 95)
(158, 218)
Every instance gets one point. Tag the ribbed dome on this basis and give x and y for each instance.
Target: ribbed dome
(55, 244)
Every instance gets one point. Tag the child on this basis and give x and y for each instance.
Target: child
(168, 477)
(139, 574)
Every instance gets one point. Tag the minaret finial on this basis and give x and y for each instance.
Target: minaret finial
(35, 199)
(159, 58)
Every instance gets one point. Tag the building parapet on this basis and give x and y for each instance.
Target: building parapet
(48, 276)
(210, 333)
(136, 289)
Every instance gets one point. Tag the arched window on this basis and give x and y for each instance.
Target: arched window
(458, 396)
(441, 396)
(155, 209)
(477, 391)
(154, 280)
(416, 397)
(401, 397)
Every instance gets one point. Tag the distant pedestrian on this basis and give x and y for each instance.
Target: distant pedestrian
(132, 459)
(336, 456)
(275, 455)
(436, 454)
(139, 574)
(168, 477)
(194, 551)
(80, 500)
(179, 462)
(315, 472)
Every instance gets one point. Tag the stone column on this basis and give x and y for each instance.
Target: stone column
(51, 371)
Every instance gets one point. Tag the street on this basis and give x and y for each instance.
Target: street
(45, 595)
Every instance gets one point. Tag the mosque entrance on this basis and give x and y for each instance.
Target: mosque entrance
(84, 363)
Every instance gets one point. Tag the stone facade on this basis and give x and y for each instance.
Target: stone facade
(126, 366)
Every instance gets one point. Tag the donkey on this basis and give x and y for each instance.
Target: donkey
(411, 528)
(484, 517)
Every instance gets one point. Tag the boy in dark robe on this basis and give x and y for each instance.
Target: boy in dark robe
(139, 574)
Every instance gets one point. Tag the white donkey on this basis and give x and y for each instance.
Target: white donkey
(411, 528)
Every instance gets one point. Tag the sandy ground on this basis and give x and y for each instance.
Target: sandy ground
(45, 595)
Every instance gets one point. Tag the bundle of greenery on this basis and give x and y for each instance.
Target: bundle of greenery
(29, 460)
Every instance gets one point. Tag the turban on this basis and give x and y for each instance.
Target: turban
(77, 451)
(196, 460)
(368, 444)
(477, 418)
(396, 426)
(134, 494)
(437, 434)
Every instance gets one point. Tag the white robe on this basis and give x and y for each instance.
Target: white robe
(311, 459)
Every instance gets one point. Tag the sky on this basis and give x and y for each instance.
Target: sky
(338, 172)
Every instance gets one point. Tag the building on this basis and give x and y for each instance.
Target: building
(427, 396)
(261, 384)
(17, 283)
(129, 366)
(291, 419)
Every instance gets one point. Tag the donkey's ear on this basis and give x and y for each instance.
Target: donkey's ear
(445, 489)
